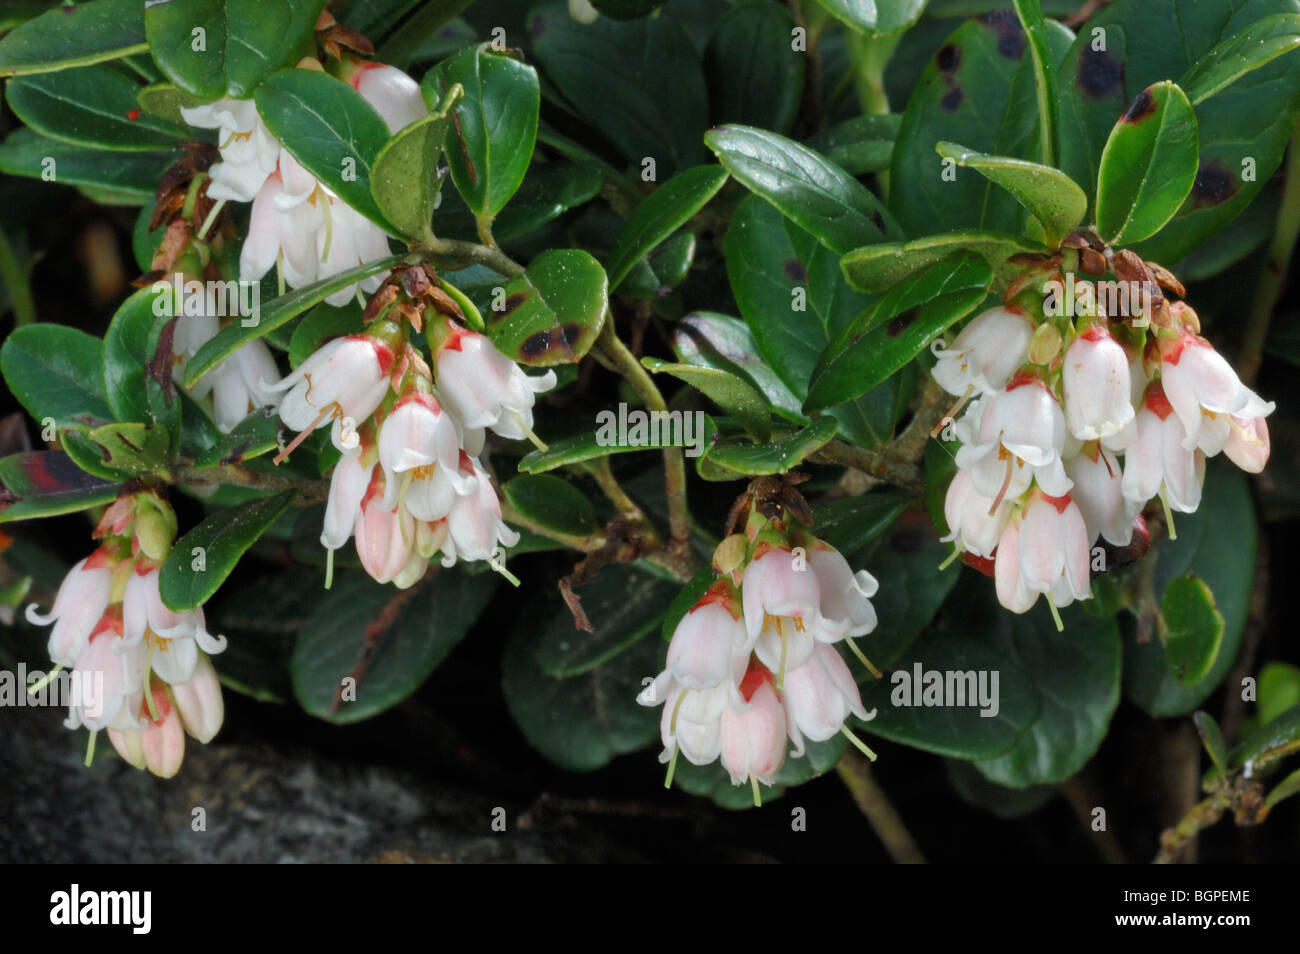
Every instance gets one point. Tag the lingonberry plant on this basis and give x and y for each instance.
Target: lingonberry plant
(737, 342)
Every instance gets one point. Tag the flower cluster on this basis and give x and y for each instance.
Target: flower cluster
(410, 483)
(754, 662)
(140, 670)
(1055, 405)
(296, 224)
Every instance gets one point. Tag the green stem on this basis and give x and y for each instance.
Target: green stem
(469, 253)
(870, 55)
(626, 364)
(1269, 286)
(16, 283)
(855, 772)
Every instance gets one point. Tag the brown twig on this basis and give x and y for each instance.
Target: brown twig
(855, 772)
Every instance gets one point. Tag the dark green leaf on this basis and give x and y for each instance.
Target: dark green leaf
(861, 144)
(1272, 741)
(1212, 738)
(898, 328)
(130, 343)
(66, 36)
(1257, 45)
(736, 459)
(552, 503)
(405, 180)
(48, 483)
(877, 17)
(319, 325)
(578, 449)
(755, 75)
(130, 177)
(1193, 629)
(660, 214)
(496, 123)
(878, 268)
(255, 435)
(850, 523)
(729, 391)
(709, 340)
(54, 371)
(214, 48)
(813, 192)
(188, 578)
(1148, 165)
(90, 106)
(346, 639)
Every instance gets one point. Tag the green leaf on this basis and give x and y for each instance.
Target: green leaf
(794, 299)
(1217, 544)
(1034, 25)
(979, 88)
(346, 637)
(553, 311)
(188, 579)
(66, 36)
(706, 339)
(118, 451)
(130, 176)
(850, 523)
(549, 190)
(1284, 789)
(582, 722)
(405, 181)
(623, 603)
(130, 343)
(1212, 738)
(755, 76)
(734, 460)
(496, 123)
(241, 42)
(48, 484)
(1257, 45)
(898, 328)
(165, 101)
(254, 436)
(578, 449)
(1148, 165)
(1274, 740)
(878, 268)
(54, 371)
(657, 275)
(685, 599)
(626, 9)
(650, 100)
(552, 503)
(813, 192)
(1193, 629)
(875, 17)
(90, 106)
(1051, 196)
(730, 392)
(280, 311)
(328, 127)
(660, 214)
(859, 145)
(1278, 690)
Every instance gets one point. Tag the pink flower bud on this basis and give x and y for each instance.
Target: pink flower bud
(1196, 377)
(1095, 384)
(82, 598)
(199, 702)
(753, 734)
(985, 354)
(342, 382)
(820, 695)
(483, 387)
(1160, 458)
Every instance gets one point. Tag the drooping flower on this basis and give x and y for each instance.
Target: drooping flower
(1014, 437)
(1197, 379)
(474, 524)
(341, 384)
(1096, 386)
(248, 150)
(820, 695)
(753, 734)
(1099, 495)
(782, 604)
(157, 743)
(1159, 462)
(482, 386)
(79, 605)
(1043, 550)
(975, 522)
(984, 354)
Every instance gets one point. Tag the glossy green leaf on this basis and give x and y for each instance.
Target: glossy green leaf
(878, 268)
(1051, 196)
(657, 275)
(859, 145)
(736, 459)
(328, 127)
(582, 722)
(1257, 45)
(346, 637)
(1274, 740)
(553, 311)
(405, 180)
(1193, 629)
(1148, 166)
(877, 17)
(552, 503)
(279, 311)
(1278, 690)
(850, 523)
(214, 48)
(795, 300)
(979, 89)
(130, 343)
(623, 604)
(492, 140)
(92, 106)
(549, 190)
(1217, 544)
(120, 450)
(189, 578)
(54, 372)
(48, 484)
(660, 214)
(255, 435)
(710, 340)
(650, 100)
(813, 192)
(580, 448)
(1212, 738)
(755, 76)
(732, 393)
(165, 101)
(64, 37)
(898, 328)
(130, 176)
(1036, 31)
(319, 325)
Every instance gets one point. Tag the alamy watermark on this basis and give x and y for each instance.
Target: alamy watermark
(1128, 299)
(59, 689)
(640, 428)
(947, 688)
(213, 299)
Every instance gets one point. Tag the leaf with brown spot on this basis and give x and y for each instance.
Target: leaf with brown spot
(557, 308)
